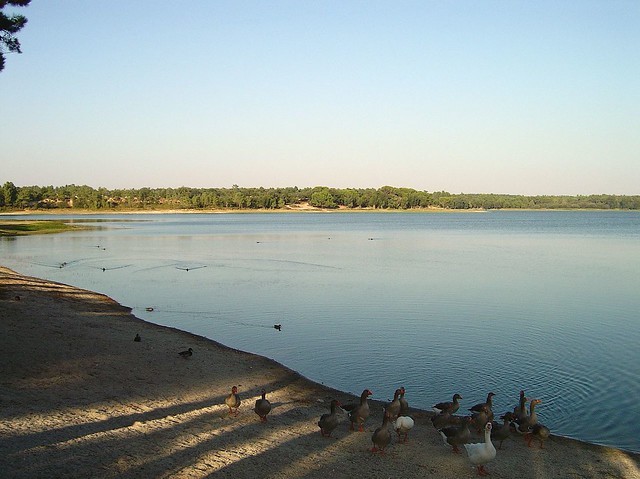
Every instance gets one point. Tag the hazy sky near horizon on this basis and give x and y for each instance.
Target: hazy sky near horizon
(517, 97)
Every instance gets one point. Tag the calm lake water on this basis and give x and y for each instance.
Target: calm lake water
(548, 302)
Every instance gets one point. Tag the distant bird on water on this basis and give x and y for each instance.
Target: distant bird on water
(278, 327)
(186, 354)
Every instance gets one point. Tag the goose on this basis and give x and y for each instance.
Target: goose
(481, 417)
(233, 401)
(441, 420)
(186, 354)
(521, 409)
(539, 432)
(403, 402)
(456, 435)
(262, 407)
(358, 413)
(450, 406)
(404, 423)
(137, 339)
(483, 452)
(329, 421)
(394, 407)
(381, 436)
(500, 432)
(526, 422)
(480, 406)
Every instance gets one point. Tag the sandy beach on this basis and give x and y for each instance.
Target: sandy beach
(79, 398)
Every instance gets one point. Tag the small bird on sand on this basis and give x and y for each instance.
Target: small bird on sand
(137, 339)
(262, 407)
(186, 354)
(329, 421)
(233, 401)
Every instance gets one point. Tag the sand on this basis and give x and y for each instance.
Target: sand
(79, 398)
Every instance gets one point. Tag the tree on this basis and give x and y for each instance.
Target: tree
(9, 26)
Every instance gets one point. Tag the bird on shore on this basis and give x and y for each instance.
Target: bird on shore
(481, 406)
(393, 408)
(500, 432)
(358, 413)
(457, 435)
(404, 423)
(481, 417)
(521, 409)
(137, 339)
(483, 452)
(449, 406)
(526, 422)
(233, 401)
(329, 421)
(539, 432)
(381, 437)
(441, 420)
(186, 354)
(262, 407)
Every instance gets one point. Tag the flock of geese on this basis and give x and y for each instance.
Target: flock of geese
(453, 428)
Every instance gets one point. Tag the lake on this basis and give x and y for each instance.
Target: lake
(545, 301)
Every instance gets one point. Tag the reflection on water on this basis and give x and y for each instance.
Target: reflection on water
(439, 303)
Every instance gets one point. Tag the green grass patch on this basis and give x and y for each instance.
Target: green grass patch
(26, 227)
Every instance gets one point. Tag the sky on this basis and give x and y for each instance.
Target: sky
(508, 97)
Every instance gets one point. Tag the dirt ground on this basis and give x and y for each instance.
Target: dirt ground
(79, 398)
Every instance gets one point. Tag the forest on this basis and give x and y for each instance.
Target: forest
(73, 197)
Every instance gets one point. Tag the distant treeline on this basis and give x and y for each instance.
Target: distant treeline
(387, 198)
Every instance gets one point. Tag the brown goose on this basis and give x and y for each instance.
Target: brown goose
(521, 409)
(381, 437)
(457, 435)
(526, 422)
(500, 432)
(480, 406)
(358, 413)
(233, 401)
(393, 409)
(481, 417)
(539, 432)
(450, 406)
(441, 420)
(404, 404)
(329, 421)
(186, 354)
(262, 407)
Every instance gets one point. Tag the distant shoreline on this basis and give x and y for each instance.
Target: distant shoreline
(310, 209)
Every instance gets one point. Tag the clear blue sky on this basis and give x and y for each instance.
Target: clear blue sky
(520, 97)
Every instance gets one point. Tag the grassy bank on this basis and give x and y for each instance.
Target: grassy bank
(20, 228)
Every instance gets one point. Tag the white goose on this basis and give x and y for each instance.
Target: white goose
(404, 423)
(483, 452)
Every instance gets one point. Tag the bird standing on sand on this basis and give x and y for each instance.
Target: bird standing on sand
(483, 452)
(137, 339)
(449, 406)
(539, 432)
(262, 407)
(358, 413)
(404, 423)
(186, 354)
(393, 409)
(233, 401)
(457, 435)
(329, 421)
(381, 437)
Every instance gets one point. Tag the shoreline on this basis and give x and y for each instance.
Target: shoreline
(80, 398)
